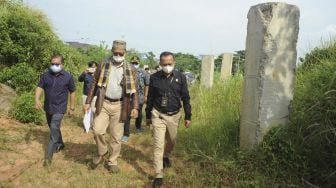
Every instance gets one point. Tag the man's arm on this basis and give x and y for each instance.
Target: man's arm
(38, 93)
(92, 89)
(81, 78)
(146, 81)
(72, 89)
(186, 98)
(72, 100)
(149, 106)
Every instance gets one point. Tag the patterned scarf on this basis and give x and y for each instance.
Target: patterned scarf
(128, 77)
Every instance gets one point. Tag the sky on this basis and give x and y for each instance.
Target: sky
(199, 27)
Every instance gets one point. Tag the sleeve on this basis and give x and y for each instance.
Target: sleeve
(93, 90)
(72, 86)
(81, 78)
(149, 106)
(42, 82)
(146, 79)
(185, 98)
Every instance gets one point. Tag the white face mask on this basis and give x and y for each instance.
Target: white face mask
(137, 66)
(91, 70)
(118, 59)
(168, 69)
(55, 68)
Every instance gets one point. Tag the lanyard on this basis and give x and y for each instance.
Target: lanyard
(171, 81)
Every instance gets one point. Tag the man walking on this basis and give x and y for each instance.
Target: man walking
(142, 82)
(166, 90)
(56, 84)
(115, 82)
(87, 77)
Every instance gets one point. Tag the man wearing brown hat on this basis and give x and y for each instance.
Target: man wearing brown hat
(115, 83)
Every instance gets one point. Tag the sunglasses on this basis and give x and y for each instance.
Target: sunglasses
(55, 64)
(135, 63)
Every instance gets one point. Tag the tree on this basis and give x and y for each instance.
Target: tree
(188, 62)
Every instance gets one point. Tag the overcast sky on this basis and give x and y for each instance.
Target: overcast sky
(189, 26)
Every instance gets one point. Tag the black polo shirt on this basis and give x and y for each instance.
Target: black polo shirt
(174, 87)
(56, 89)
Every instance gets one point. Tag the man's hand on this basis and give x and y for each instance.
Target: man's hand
(187, 123)
(38, 105)
(134, 113)
(86, 107)
(148, 122)
(71, 112)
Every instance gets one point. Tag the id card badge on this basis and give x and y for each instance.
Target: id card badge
(164, 101)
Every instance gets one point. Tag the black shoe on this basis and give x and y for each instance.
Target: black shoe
(59, 148)
(157, 182)
(166, 162)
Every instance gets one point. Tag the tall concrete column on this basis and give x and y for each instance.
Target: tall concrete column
(226, 68)
(207, 74)
(272, 35)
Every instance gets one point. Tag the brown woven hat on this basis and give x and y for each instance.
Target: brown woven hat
(119, 45)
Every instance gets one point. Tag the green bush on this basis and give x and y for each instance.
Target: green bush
(22, 77)
(24, 111)
(314, 121)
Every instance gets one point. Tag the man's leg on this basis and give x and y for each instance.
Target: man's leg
(171, 134)
(127, 127)
(115, 129)
(100, 125)
(138, 120)
(159, 130)
(55, 134)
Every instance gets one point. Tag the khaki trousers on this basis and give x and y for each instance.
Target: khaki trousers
(108, 122)
(165, 130)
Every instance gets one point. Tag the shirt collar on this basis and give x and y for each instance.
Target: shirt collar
(61, 72)
(162, 74)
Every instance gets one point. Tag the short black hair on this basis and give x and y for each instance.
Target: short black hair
(57, 56)
(165, 54)
(90, 63)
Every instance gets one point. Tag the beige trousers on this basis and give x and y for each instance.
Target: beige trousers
(108, 122)
(165, 132)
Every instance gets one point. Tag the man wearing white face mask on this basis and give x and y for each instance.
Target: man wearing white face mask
(167, 88)
(56, 85)
(87, 78)
(142, 91)
(116, 86)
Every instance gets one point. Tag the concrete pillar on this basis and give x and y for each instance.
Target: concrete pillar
(226, 68)
(207, 74)
(272, 35)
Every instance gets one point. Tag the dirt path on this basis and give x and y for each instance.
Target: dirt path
(22, 147)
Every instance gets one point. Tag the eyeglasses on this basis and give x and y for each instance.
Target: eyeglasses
(118, 54)
(55, 64)
(134, 63)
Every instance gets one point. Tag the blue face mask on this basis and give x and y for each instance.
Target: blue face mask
(55, 68)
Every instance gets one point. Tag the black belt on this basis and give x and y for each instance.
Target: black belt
(168, 113)
(113, 100)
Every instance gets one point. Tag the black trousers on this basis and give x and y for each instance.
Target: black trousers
(137, 122)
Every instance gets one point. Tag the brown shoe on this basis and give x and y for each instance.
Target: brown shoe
(97, 160)
(113, 169)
